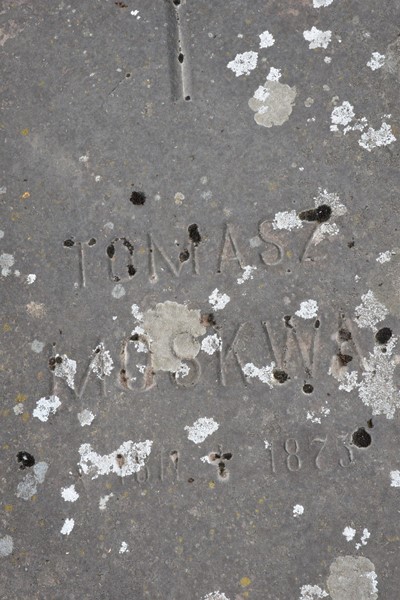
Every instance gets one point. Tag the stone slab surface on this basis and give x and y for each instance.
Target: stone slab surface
(200, 272)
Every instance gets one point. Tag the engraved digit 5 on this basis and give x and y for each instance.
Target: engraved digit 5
(293, 461)
(323, 442)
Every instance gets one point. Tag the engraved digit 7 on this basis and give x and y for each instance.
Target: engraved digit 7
(323, 442)
(343, 463)
(293, 461)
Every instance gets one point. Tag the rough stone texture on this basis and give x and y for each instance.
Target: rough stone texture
(133, 173)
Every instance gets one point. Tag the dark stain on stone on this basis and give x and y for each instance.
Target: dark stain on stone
(321, 214)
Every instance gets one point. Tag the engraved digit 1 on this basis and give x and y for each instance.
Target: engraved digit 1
(269, 446)
(293, 461)
(320, 441)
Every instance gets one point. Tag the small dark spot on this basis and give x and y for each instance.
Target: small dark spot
(52, 362)
(227, 455)
(97, 350)
(127, 75)
(91, 242)
(177, 2)
(131, 270)
(120, 460)
(361, 438)
(184, 255)
(280, 375)
(370, 423)
(69, 243)
(26, 460)
(190, 480)
(138, 198)
(58, 360)
(321, 214)
(210, 319)
(134, 337)
(194, 234)
(121, 4)
(383, 335)
(344, 359)
(287, 321)
(128, 245)
(187, 98)
(181, 58)
(317, 324)
(308, 388)
(350, 244)
(110, 250)
(116, 278)
(344, 335)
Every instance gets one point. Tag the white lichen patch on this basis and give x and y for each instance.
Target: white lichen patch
(211, 344)
(183, 371)
(247, 274)
(363, 540)
(6, 263)
(216, 596)
(274, 74)
(45, 407)
(349, 533)
(218, 300)
(316, 417)
(85, 417)
(28, 486)
(129, 458)
(266, 39)
(384, 257)
(103, 501)
(287, 220)
(376, 138)
(69, 494)
(6, 546)
(18, 408)
(342, 115)
(102, 364)
(272, 103)
(376, 61)
(244, 63)
(308, 309)
(67, 526)
(31, 278)
(325, 230)
(352, 578)
(370, 311)
(317, 38)
(137, 313)
(264, 374)
(123, 548)
(312, 592)
(65, 369)
(201, 429)
(331, 199)
(320, 3)
(172, 331)
(395, 479)
(298, 510)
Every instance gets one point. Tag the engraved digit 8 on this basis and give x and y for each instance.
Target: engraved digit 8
(293, 461)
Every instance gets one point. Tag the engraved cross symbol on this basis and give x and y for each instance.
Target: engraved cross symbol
(219, 459)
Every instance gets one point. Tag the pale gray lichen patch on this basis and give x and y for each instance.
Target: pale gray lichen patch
(28, 486)
(370, 311)
(272, 103)
(6, 546)
(352, 579)
(172, 330)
